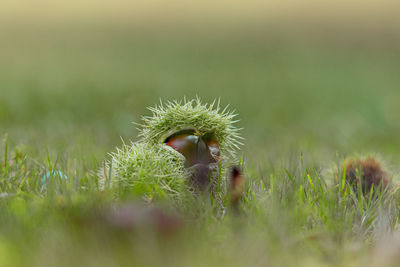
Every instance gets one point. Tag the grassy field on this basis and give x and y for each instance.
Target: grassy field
(307, 99)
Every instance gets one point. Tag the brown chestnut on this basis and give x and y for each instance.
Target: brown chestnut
(196, 148)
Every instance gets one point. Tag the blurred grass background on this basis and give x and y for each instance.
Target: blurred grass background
(322, 78)
(305, 75)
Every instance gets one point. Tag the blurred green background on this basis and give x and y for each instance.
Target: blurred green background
(318, 78)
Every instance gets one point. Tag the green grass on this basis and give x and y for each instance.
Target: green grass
(293, 217)
(67, 96)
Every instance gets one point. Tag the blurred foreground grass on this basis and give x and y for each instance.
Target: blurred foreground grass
(69, 92)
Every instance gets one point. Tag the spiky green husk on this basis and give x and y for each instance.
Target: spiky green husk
(151, 171)
(174, 116)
